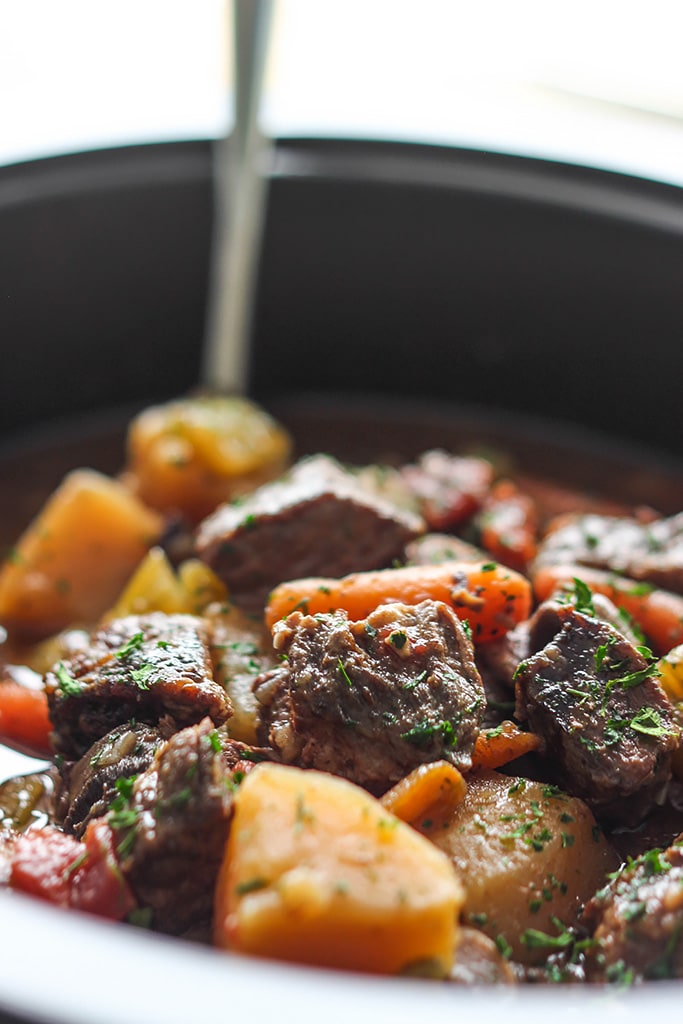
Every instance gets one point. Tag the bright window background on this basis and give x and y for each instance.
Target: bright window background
(595, 81)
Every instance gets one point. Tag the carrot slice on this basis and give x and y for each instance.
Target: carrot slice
(509, 524)
(490, 597)
(24, 719)
(659, 613)
(429, 793)
(496, 747)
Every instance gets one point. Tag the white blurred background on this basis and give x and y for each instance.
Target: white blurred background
(593, 81)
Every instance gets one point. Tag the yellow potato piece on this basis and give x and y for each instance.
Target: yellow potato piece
(241, 649)
(191, 455)
(155, 587)
(317, 871)
(74, 558)
(670, 669)
(526, 853)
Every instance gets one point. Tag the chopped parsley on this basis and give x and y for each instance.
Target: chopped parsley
(69, 686)
(250, 885)
(412, 683)
(214, 741)
(398, 639)
(648, 721)
(344, 673)
(140, 676)
(534, 939)
(122, 815)
(631, 679)
(620, 974)
(134, 644)
(425, 731)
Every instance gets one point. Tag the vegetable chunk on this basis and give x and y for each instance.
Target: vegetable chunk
(490, 597)
(317, 871)
(190, 455)
(72, 561)
(527, 853)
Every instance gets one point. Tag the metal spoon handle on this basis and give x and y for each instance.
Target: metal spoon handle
(240, 192)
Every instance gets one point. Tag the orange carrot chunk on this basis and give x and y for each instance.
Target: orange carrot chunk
(659, 613)
(496, 747)
(429, 793)
(509, 524)
(490, 597)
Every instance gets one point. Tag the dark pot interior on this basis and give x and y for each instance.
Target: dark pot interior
(390, 269)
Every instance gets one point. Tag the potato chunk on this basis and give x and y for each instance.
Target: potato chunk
(74, 558)
(317, 871)
(526, 853)
(191, 455)
(156, 587)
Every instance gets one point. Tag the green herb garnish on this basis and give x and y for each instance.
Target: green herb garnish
(69, 686)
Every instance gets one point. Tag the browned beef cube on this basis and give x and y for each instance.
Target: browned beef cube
(88, 786)
(596, 701)
(316, 521)
(498, 662)
(479, 961)
(637, 921)
(172, 827)
(371, 700)
(651, 552)
(142, 667)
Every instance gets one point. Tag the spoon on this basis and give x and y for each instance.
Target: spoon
(241, 163)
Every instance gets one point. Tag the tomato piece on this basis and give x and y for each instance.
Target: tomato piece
(509, 524)
(99, 886)
(42, 864)
(24, 718)
(85, 876)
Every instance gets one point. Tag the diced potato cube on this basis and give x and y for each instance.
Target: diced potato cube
(191, 455)
(72, 561)
(155, 587)
(317, 871)
(526, 853)
(670, 669)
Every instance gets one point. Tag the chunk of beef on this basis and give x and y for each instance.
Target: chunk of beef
(88, 786)
(318, 520)
(500, 659)
(637, 921)
(593, 698)
(371, 700)
(449, 488)
(651, 552)
(142, 667)
(498, 662)
(173, 827)
(478, 961)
